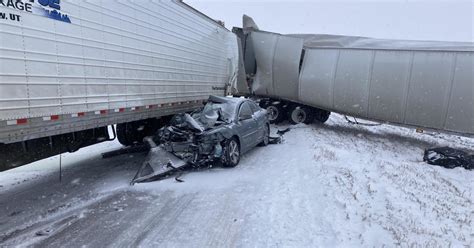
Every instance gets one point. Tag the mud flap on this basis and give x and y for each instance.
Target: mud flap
(158, 165)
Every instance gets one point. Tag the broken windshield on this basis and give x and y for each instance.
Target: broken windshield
(214, 111)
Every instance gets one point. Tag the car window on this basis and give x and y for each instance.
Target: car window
(255, 108)
(226, 110)
(245, 110)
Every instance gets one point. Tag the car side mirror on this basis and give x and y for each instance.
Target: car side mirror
(244, 117)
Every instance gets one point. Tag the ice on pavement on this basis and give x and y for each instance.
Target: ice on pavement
(332, 185)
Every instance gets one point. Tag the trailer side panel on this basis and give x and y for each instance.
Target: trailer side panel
(105, 62)
(421, 84)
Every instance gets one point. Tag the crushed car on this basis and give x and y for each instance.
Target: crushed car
(219, 133)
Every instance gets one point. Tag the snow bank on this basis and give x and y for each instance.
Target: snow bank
(332, 185)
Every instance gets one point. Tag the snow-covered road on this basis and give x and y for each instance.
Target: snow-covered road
(332, 185)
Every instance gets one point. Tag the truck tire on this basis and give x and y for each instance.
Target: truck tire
(275, 113)
(301, 114)
(124, 135)
(134, 132)
(321, 115)
(276, 110)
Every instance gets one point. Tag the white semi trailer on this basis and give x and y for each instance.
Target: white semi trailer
(423, 84)
(71, 68)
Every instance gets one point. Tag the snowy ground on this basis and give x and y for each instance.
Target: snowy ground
(332, 185)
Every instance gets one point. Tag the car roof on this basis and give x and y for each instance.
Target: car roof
(232, 100)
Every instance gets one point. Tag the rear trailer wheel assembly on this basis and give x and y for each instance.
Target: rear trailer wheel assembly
(275, 110)
(124, 134)
(275, 113)
(321, 115)
(131, 133)
(301, 114)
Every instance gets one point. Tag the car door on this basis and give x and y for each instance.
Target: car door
(259, 116)
(246, 127)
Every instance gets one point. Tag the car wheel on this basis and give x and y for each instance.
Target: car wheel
(275, 114)
(301, 114)
(232, 153)
(266, 136)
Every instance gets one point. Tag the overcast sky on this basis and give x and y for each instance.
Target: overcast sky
(393, 19)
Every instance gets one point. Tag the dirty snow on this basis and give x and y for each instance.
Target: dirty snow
(332, 185)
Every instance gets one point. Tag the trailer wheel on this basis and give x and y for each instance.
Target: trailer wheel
(321, 115)
(301, 114)
(232, 153)
(134, 132)
(275, 113)
(124, 134)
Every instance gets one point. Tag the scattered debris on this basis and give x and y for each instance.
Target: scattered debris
(282, 132)
(15, 213)
(43, 233)
(275, 140)
(449, 158)
(158, 165)
(178, 178)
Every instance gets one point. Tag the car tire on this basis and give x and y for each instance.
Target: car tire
(301, 114)
(232, 153)
(266, 137)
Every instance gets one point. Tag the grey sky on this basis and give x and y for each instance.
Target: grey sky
(393, 19)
